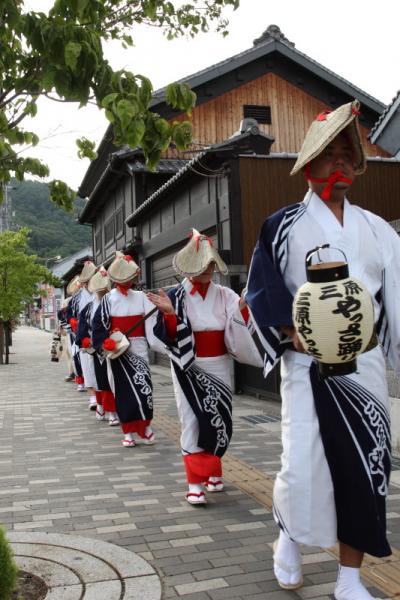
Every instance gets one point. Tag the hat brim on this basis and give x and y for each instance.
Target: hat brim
(317, 139)
(104, 288)
(86, 278)
(182, 270)
(126, 279)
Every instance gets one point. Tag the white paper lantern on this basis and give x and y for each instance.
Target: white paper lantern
(333, 315)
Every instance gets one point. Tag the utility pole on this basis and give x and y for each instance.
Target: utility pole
(6, 213)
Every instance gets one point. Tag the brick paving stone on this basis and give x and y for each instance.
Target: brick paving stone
(63, 471)
(201, 586)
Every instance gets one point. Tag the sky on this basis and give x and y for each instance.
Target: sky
(356, 40)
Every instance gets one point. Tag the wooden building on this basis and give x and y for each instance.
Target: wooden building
(252, 114)
(386, 131)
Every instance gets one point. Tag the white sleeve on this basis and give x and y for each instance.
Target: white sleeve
(391, 294)
(388, 321)
(154, 343)
(238, 334)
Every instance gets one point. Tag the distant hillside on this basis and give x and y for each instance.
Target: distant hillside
(54, 231)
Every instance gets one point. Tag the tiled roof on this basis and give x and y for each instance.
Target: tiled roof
(165, 165)
(171, 182)
(269, 41)
(131, 161)
(195, 165)
(65, 265)
(272, 40)
(391, 107)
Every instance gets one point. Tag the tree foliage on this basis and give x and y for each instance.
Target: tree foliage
(8, 568)
(60, 55)
(19, 274)
(53, 231)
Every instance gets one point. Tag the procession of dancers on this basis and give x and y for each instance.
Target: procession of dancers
(335, 470)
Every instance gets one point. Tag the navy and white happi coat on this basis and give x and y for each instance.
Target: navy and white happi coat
(129, 374)
(202, 385)
(335, 432)
(78, 304)
(75, 306)
(95, 365)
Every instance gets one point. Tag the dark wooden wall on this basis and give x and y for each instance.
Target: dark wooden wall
(266, 186)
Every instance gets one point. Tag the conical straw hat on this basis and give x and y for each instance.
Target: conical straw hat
(73, 285)
(325, 128)
(100, 281)
(123, 268)
(195, 257)
(89, 269)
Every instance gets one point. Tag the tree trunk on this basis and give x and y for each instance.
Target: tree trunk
(7, 326)
(1, 342)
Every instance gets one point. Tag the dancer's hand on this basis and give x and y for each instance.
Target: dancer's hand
(162, 301)
(292, 333)
(242, 301)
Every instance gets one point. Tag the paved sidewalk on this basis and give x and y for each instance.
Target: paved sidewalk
(61, 471)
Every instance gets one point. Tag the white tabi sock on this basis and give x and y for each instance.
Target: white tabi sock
(287, 560)
(349, 586)
(128, 436)
(195, 488)
(92, 400)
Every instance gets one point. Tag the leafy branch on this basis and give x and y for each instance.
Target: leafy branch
(59, 55)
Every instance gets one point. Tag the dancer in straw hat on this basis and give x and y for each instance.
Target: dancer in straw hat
(70, 324)
(75, 308)
(99, 285)
(65, 330)
(335, 431)
(128, 372)
(202, 324)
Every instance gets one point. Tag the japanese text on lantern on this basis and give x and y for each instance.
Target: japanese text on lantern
(302, 318)
(350, 338)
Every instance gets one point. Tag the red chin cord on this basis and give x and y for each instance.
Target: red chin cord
(330, 181)
(124, 289)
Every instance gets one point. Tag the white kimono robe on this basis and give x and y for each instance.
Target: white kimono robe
(209, 389)
(85, 330)
(335, 433)
(86, 359)
(75, 307)
(129, 374)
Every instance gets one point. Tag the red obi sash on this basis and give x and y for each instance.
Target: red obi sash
(210, 343)
(124, 323)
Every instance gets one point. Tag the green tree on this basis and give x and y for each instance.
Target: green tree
(19, 278)
(8, 568)
(60, 55)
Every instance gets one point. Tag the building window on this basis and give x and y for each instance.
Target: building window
(109, 234)
(262, 114)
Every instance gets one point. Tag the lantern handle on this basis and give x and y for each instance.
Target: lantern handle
(316, 250)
